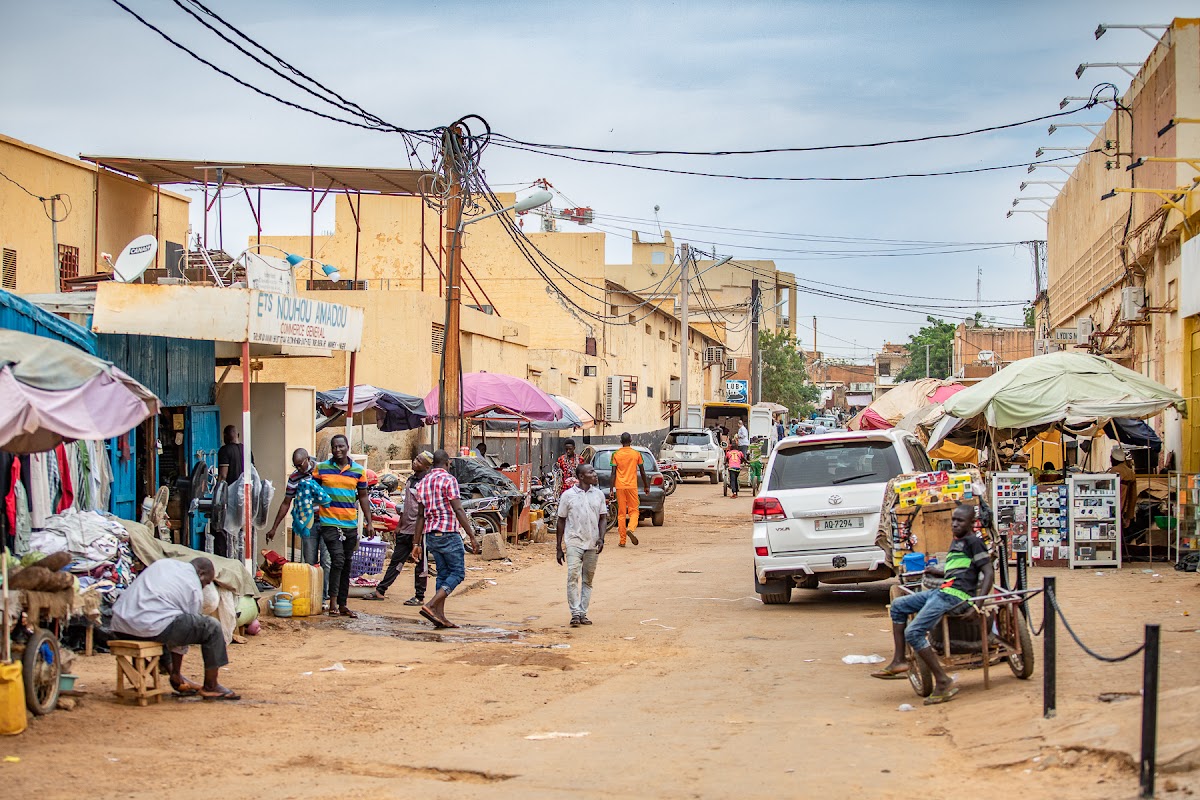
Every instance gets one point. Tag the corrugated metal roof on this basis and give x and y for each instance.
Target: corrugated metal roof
(180, 371)
(18, 314)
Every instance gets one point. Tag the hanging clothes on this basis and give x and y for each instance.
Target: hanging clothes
(24, 529)
(66, 495)
(102, 475)
(40, 504)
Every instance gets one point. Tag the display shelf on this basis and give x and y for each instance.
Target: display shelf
(1093, 522)
(1013, 496)
(1183, 512)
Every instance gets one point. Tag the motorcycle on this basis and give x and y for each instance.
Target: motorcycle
(544, 496)
(671, 476)
(484, 513)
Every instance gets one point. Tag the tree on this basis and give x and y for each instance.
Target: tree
(784, 376)
(1030, 316)
(939, 337)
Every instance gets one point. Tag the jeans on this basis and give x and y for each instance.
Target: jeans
(340, 551)
(189, 629)
(929, 608)
(734, 476)
(449, 556)
(400, 553)
(581, 568)
(312, 546)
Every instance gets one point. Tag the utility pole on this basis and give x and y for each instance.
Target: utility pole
(449, 396)
(685, 265)
(54, 243)
(755, 367)
(927, 360)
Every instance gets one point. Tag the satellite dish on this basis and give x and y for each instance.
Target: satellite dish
(137, 256)
(986, 356)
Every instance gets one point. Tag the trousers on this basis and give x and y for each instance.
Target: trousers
(627, 508)
(449, 556)
(188, 629)
(315, 552)
(581, 568)
(929, 608)
(340, 552)
(400, 553)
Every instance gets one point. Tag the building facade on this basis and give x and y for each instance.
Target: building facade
(980, 351)
(889, 363)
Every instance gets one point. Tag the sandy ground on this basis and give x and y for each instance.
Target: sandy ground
(686, 686)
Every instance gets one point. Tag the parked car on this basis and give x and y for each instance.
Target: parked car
(697, 453)
(600, 457)
(816, 518)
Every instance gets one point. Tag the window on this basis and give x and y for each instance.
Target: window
(614, 310)
(919, 457)
(885, 369)
(439, 338)
(589, 345)
(632, 319)
(658, 257)
(589, 372)
(649, 391)
(649, 330)
(674, 347)
(834, 464)
(8, 270)
(662, 335)
(68, 264)
(689, 439)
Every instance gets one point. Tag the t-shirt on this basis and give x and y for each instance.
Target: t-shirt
(165, 590)
(579, 513)
(625, 464)
(230, 455)
(964, 562)
(343, 485)
(733, 459)
(743, 437)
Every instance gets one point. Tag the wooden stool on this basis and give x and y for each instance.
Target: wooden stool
(137, 662)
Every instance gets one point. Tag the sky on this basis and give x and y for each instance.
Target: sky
(83, 76)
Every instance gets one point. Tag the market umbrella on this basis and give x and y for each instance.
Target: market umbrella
(585, 419)
(484, 390)
(395, 411)
(901, 400)
(1050, 388)
(51, 391)
(573, 418)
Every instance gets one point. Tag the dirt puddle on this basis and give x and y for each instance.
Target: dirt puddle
(372, 625)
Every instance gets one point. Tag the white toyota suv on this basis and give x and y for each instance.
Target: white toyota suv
(696, 452)
(816, 518)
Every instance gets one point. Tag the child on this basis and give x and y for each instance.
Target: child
(733, 464)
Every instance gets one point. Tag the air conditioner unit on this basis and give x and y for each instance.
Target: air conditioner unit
(1085, 329)
(673, 393)
(1133, 301)
(614, 407)
(714, 355)
(731, 364)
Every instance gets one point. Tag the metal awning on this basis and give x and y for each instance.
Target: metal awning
(166, 171)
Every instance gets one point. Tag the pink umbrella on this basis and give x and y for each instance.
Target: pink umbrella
(482, 390)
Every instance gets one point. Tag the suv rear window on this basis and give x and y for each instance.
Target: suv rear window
(603, 460)
(689, 439)
(833, 464)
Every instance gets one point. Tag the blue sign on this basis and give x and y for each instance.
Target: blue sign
(737, 391)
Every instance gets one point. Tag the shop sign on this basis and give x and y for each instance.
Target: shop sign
(1066, 335)
(269, 274)
(281, 319)
(737, 391)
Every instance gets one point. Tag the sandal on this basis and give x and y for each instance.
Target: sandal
(373, 596)
(891, 674)
(943, 697)
(228, 694)
(345, 612)
(427, 614)
(186, 689)
(415, 601)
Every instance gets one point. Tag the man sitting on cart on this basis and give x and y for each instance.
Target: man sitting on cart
(969, 573)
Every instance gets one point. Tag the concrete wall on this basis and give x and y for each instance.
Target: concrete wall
(126, 209)
(1008, 345)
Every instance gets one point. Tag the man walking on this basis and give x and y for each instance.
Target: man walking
(346, 483)
(566, 465)
(406, 536)
(438, 535)
(627, 464)
(579, 539)
(304, 497)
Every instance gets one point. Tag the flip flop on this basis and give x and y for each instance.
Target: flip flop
(228, 694)
(891, 674)
(944, 697)
(632, 538)
(427, 614)
(185, 690)
(372, 596)
(345, 612)
(414, 601)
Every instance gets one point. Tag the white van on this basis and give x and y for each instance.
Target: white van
(815, 520)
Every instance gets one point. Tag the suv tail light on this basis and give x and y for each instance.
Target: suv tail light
(656, 480)
(760, 551)
(768, 509)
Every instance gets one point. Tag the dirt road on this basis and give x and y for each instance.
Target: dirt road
(686, 686)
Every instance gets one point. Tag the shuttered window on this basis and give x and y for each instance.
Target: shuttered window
(68, 264)
(439, 338)
(8, 269)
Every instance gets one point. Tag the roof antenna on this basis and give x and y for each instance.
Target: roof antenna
(658, 223)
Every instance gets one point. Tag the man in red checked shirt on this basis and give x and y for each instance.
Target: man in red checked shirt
(566, 465)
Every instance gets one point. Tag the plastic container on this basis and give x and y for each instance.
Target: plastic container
(368, 558)
(914, 562)
(302, 580)
(66, 683)
(12, 699)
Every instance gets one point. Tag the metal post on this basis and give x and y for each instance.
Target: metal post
(1049, 678)
(350, 404)
(247, 489)
(755, 367)
(685, 256)
(449, 390)
(54, 239)
(1149, 711)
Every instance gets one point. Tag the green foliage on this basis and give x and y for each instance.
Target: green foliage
(939, 335)
(1030, 316)
(784, 377)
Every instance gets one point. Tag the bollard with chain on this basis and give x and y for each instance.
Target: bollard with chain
(1049, 687)
(1149, 711)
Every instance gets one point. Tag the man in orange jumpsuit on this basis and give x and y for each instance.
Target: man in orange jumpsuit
(627, 464)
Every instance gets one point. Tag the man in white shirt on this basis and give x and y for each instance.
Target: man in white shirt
(164, 604)
(741, 438)
(582, 521)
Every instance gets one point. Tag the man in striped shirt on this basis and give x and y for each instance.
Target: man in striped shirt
(346, 484)
(442, 513)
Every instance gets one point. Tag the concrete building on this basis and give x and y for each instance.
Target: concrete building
(979, 352)
(1119, 281)
(889, 363)
(98, 211)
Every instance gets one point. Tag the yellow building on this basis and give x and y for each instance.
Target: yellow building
(567, 339)
(1117, 279)
(98, 211)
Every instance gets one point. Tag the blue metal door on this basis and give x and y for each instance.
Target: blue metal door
(123, 501)
(202, 438)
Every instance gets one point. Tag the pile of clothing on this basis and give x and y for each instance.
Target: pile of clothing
(98, 545)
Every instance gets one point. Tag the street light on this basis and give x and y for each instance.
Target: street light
(1127, 67)
(331, 272)
(536, 200)
(1103, 28)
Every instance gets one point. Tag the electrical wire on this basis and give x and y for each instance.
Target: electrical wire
(47, 210)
